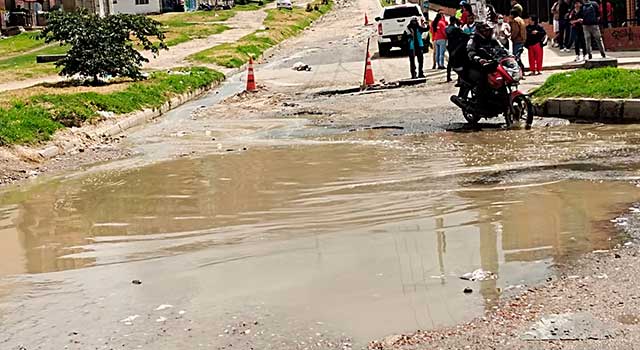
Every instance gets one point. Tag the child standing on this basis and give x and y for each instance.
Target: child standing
(534, 42)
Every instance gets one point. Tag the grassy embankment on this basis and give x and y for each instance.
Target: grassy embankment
(16, 64)
(280, 24)
(33, 115)
(593, 83)
(20, 43)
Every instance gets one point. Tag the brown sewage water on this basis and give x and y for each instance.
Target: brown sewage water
(350, 235)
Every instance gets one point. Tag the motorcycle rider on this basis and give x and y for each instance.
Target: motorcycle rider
(482, 49)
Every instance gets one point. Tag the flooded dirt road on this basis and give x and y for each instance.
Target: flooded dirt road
(335, 239)
(287, 219)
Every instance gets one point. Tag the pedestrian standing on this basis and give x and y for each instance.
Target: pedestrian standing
(515, 5)
(535, 40)
(555, 14)
(470, 26)
(413, 33)
(492, 15)
(574, 20)
(438, 31)
(610, 18)
(589, 19)
(502, 32)
(467, 10)
(518, 36)
(564, 37)
(460, 10)
(425, 9)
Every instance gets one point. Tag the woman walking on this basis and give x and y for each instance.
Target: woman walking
(535, 38)
(438, 31)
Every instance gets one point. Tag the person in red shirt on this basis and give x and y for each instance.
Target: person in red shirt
(609, 19)
(466, 11)
(438, 32)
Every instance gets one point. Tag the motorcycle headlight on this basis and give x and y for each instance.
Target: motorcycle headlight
(516, 74)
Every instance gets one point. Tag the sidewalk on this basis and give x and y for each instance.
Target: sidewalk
(554, 59)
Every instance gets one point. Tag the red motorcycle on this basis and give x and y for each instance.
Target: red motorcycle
(499, 96)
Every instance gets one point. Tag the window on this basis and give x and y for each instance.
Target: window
(142, 2)
(401, 12)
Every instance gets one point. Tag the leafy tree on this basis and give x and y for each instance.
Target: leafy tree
(103, 46)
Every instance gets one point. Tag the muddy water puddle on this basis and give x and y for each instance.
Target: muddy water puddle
(367, 237)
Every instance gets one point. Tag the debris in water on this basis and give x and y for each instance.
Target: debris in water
(136, 282)
(478, 275)
(163, 307)
(301, 66)
(468, 290)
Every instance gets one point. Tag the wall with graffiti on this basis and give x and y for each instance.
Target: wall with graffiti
(623, 38)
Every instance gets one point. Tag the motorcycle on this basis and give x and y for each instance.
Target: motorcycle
(499, 96)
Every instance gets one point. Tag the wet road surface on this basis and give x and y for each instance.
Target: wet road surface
(341, 238)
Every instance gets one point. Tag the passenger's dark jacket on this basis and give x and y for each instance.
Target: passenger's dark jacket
(457, 45)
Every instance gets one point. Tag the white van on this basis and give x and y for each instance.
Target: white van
(392, 23)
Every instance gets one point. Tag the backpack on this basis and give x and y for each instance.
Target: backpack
(589, 14)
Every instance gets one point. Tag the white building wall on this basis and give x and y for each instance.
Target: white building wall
(130, 7)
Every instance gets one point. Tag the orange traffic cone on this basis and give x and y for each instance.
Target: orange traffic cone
(366, 19)
(251, 79)
(368, 74)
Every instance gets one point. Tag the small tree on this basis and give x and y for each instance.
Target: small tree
(103, 46)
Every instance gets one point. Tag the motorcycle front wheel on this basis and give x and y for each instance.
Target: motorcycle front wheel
(521, 110)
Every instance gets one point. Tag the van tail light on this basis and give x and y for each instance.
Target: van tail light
(379, 28)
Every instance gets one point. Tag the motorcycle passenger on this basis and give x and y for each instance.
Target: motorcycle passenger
(456, 46)
(482, 48)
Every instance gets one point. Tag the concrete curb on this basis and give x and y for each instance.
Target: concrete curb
(125, 122)
(609, 111)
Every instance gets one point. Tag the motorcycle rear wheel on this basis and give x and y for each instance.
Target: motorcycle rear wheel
(471, 118)
(521, 109)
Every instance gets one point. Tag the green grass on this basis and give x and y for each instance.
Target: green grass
(36, 118)
(194, 32)
(25, 67)
(183, 27)
(20, 43)
(281, 24)
(595, 83)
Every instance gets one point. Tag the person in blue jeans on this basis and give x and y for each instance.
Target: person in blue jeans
(439, 33)
(518, 36)
(413, 35)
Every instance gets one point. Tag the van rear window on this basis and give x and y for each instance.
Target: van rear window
(401, 12)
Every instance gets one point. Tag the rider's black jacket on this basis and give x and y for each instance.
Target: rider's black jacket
(480, 48)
